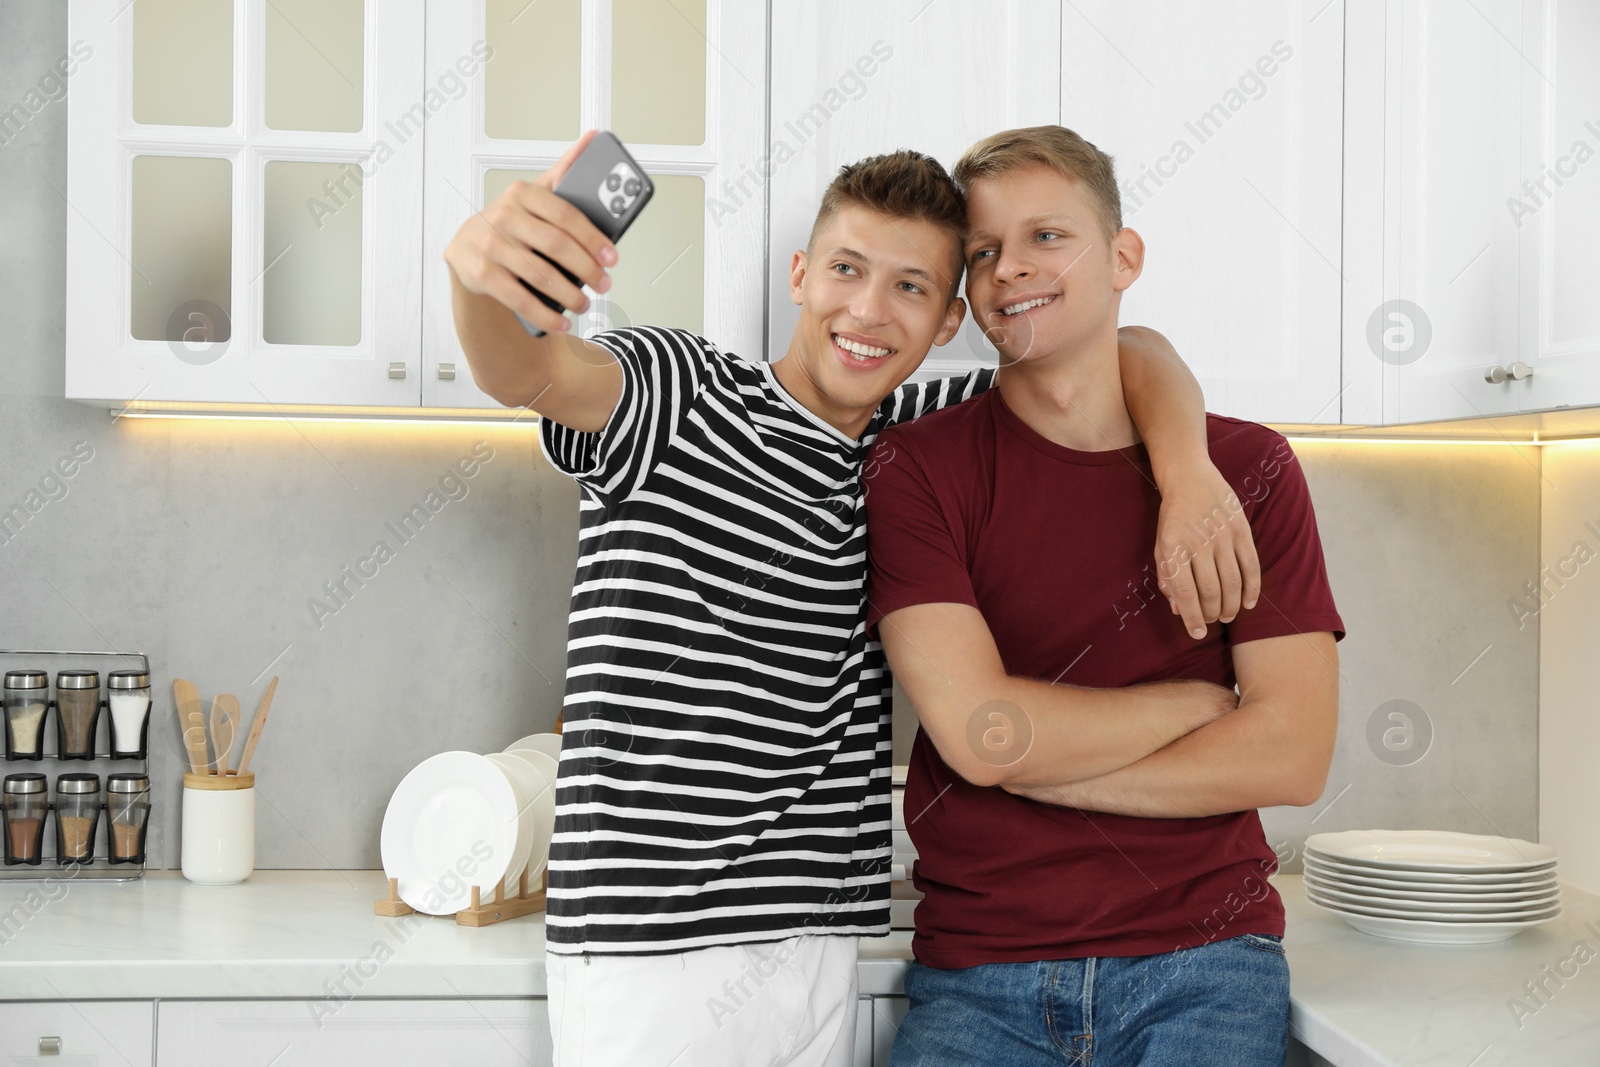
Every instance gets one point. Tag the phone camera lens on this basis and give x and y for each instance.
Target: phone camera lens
(613, 182)
(617, 205)
(631, 187)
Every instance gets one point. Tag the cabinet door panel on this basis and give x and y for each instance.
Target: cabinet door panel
(853, 80)
(1224, 121)
(1434, 122)
(182, 63)
(682, 84)
(88, 1033)
(887, 1015)
(1557, 208)
(334, 1033)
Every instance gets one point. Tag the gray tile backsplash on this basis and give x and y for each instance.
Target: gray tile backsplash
(208, 545)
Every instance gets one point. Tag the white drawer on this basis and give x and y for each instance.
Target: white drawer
(87, 1033)
(333, 1033)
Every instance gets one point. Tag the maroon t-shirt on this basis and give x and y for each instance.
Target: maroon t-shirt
(1056, 548)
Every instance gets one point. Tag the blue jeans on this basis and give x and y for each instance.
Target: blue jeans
(1225, 1003)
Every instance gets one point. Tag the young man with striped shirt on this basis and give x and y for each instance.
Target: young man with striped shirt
(723, 795)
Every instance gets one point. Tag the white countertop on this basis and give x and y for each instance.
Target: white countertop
(278, 934)
(1357, 999)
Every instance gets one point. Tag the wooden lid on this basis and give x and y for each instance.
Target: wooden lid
(247, 780)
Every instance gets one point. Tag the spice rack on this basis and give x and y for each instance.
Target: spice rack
(52, 766)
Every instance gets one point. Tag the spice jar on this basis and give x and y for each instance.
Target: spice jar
(24, 807)
(128, 693)
(77, 713)
(77, 812)
(127, 816)
(27, 695)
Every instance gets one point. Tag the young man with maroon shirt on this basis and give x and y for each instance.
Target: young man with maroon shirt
(1094, 872)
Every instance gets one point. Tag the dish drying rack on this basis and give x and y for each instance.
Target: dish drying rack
(101, 869)
(498, 908)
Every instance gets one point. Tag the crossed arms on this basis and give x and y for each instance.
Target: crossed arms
(1162, 750)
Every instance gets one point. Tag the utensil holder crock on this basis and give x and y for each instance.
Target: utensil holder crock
(219, 828)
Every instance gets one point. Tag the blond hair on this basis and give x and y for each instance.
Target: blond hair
(1056, 147)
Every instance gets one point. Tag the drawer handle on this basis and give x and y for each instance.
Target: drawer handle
(49, 1046)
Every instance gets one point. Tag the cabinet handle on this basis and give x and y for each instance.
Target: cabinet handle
(397, 370)
(447, 372)
(49, 1046)
(1514, 373)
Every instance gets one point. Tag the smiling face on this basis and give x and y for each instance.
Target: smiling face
(1043, 277)
(876, 292)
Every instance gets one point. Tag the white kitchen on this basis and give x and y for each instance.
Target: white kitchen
(289, 588)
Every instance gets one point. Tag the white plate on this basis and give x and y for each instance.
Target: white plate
(549, 744)
(1440, 882)
(1431, 850)
(1458, 905)
(540, 782)
(512, 769)
(1434, 933)
(451, 824)
(1421, 891)
(1550, 912)
(1501, 879)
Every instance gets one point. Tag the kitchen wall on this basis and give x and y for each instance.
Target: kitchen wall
(207, 544)
(1566, 595)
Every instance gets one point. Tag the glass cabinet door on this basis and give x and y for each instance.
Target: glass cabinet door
(246, 178)
(658, 75)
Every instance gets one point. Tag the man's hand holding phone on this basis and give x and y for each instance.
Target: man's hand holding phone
(520, 240)
(529, 252)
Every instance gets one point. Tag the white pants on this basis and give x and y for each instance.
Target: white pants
(782, 1002)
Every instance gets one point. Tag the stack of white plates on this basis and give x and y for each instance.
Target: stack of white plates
(459, 820)
(1434, 886)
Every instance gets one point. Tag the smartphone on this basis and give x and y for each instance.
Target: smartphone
(610, 188)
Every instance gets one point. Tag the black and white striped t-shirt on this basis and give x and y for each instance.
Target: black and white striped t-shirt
(726, 756)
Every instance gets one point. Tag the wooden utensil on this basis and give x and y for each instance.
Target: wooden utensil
(257, 724)
(224, 728)
(191, 723)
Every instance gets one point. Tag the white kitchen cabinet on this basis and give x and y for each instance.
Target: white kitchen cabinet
(1439, 126)
(681, 84)
(510, 1032)
(851, 80)
(244, 189)
(88, 1033)
(1557, 213)
(1224, 121)
(887, 1015)
(862, 1055)
(246, 181)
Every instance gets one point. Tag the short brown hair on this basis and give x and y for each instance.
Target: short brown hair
(1056, 147)
(902, 185)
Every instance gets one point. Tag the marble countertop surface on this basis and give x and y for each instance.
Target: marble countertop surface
(1356, 999)
(277, 934)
